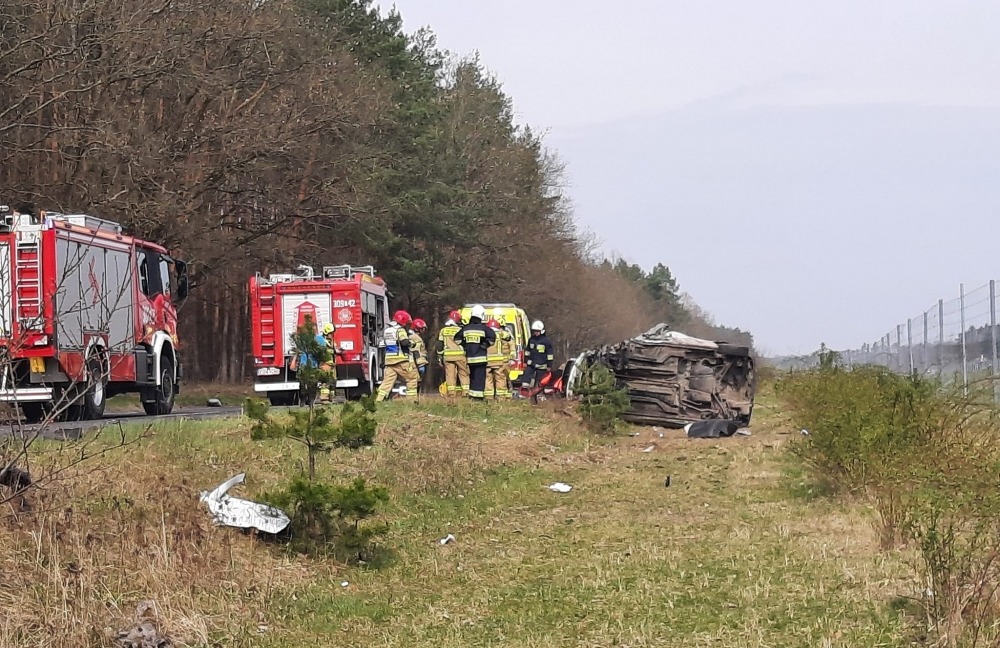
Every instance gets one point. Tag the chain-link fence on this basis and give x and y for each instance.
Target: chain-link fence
(955, 340)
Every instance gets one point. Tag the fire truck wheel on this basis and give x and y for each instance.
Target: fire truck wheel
(163, 395)
(95, 398)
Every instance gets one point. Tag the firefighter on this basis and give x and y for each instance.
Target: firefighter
(497, 362)
(538, 358)
(452, 356)
(398, 358)
(418, 347)
(476, 338)
(325, 339)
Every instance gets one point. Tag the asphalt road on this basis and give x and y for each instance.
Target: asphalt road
(71, 430)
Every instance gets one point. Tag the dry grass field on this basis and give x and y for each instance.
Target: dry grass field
(737, 551)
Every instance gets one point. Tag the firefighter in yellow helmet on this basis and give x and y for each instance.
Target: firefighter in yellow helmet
(497, 362)
(325, 338)
(451, 354)
(398, 357)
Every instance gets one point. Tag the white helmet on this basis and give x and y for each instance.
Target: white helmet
(479, 311)
(538, 326)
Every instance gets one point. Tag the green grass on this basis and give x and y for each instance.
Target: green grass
(736, 552)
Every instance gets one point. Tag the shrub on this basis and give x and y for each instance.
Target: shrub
(929, 460)
(602, 401)
(861, 424)
(328, 519)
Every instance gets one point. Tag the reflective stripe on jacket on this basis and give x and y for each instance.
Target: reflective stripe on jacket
(419, 350)
(447, 346)
(476, 338)
(500, 351)
(397, 344)
(540, 352)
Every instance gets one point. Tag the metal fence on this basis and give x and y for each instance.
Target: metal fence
(955, 340)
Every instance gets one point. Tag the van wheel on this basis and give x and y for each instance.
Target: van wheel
(95, 396)
(163, 394)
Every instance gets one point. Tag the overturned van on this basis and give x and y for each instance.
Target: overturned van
(674, 379)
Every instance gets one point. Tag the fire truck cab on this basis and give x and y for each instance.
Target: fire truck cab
(352, 297)
(86, 312)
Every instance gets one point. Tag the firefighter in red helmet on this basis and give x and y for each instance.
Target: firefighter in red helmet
(451, 355)
(398, 356)
(419, 349)
(497, 358)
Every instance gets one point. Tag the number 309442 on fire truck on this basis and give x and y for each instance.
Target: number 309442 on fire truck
(353, 298)
(86, 313)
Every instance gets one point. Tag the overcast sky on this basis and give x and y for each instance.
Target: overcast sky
(811, 172)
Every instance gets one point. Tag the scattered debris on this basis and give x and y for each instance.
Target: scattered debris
(666, 482)
(214, 402)
(743, 432)
(241, 513)
(650, 448)
(445, 540)
(344, 583)
(711, 429)
(560, 487)
(804, 432)
(146, 632)
(633, 434)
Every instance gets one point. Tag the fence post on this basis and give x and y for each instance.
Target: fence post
(993, 335)
(941, 339)
(924, 359)
(965, 362)
(909, 342)
(899, 347)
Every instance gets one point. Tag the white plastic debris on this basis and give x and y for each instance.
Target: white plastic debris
(804, 432)
(743, 432)
(445, 540)
(214, 402)
(241, 513)
(344, 583)
(560, 487)
(649, 449)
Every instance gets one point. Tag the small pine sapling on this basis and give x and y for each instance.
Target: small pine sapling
(602, 401)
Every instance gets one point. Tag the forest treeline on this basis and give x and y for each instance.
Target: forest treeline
(255, 135)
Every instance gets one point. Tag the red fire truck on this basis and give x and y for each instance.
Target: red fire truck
(86, 312)
(351, 297)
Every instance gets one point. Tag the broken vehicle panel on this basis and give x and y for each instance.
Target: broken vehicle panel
(241, 513)
(674, 379)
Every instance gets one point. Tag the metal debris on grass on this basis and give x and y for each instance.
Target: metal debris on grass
(241, 513)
